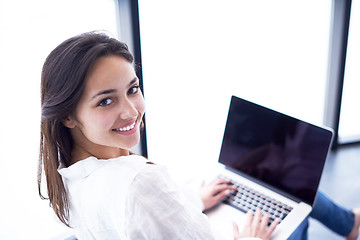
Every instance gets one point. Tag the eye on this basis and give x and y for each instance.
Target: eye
(134, 89)
(105, 102)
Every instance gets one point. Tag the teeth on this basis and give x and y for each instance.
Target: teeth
(126, 128)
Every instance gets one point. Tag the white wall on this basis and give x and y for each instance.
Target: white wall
(29, 31)
(197, 53)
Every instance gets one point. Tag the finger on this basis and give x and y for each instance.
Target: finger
(236, 231)
(272, 227)
(221, 195)
(221, 181)
(248, 220)
(264, 222)
(256, 222)
(220, 188)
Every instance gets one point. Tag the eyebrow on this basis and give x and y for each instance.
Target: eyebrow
(109, 91)
(133, 81)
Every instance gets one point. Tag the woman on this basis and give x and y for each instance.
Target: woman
(92, 110)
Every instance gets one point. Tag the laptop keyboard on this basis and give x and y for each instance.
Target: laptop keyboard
(247, 199)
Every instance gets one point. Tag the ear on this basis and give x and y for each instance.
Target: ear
(69, 122)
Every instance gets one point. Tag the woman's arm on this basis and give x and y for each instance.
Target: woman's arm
(156, 209)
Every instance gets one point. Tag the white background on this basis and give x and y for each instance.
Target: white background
(29, 31)
(196, 54)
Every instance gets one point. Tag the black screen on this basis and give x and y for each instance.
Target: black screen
(281, 151)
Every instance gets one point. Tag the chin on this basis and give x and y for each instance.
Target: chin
(130, 144)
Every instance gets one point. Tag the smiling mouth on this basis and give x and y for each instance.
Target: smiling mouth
(127, 128)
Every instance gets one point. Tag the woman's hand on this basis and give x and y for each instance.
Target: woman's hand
(215, 191)
(256, 226)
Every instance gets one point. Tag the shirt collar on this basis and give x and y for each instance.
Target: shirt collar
(80, 169)
(84, 168)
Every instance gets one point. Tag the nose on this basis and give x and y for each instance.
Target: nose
(127, 109)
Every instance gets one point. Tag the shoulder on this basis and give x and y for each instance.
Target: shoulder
(125, 164)
(98, 190)
(102, 183)
(152, 187)
(153, 176)
(153, 171)
(118, 174)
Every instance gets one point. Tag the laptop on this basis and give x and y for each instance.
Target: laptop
(276, 162)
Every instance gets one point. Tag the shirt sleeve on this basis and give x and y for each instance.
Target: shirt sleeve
(156, 209)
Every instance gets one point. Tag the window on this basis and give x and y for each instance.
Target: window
(196, 54)
(349, 129)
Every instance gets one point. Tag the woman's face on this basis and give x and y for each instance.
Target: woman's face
(108, 115)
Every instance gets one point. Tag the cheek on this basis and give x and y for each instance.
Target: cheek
(97, 122)
(104, 121)
(140, 105)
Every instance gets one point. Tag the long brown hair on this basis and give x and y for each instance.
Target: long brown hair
(62, 83)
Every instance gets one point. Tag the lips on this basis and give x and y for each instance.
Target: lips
(126, 128)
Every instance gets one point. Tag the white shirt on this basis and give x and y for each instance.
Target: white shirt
(126, 198)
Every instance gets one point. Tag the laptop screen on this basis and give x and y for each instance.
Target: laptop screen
(272, 148)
